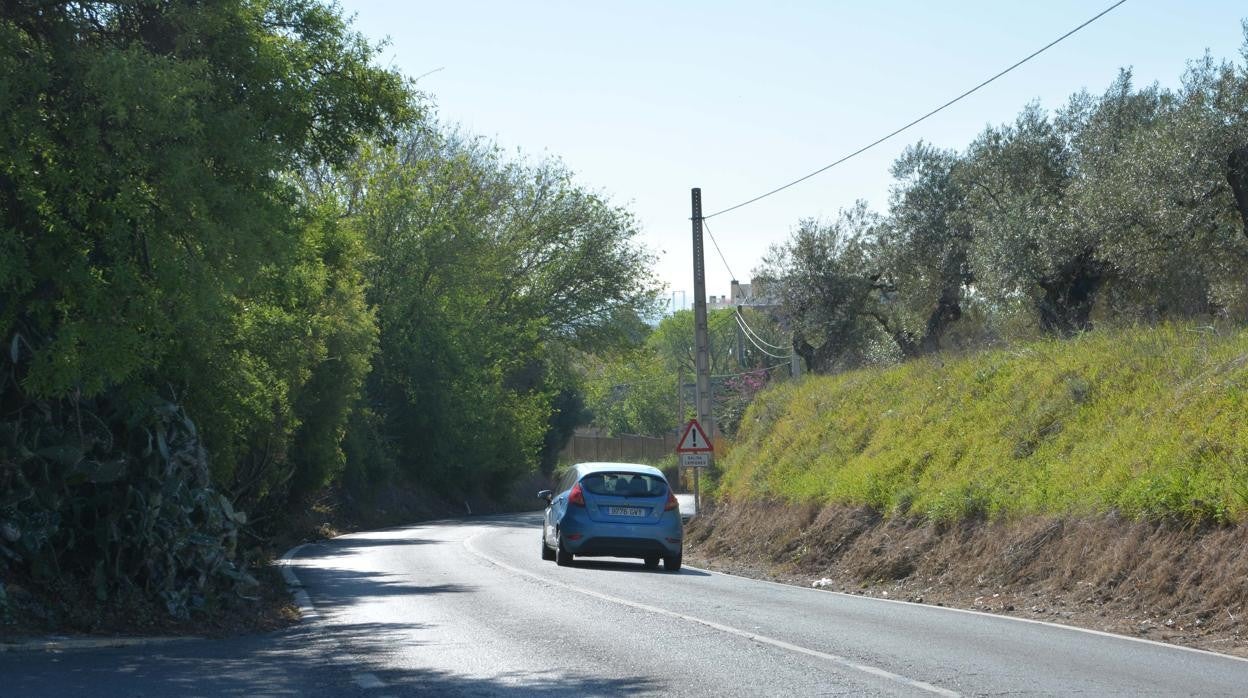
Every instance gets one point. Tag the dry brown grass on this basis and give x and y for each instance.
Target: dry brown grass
(1167, 582)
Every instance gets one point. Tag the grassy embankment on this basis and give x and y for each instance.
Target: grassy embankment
(1146, 423)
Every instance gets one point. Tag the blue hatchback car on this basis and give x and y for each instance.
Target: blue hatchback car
(613, 510)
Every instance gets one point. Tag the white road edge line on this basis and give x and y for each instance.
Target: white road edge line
(762, 639)
(969, 611)
(306, 610)
(951, 609)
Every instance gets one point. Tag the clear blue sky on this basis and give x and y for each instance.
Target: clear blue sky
(644, 99)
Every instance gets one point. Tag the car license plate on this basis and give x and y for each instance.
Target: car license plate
(626, 511)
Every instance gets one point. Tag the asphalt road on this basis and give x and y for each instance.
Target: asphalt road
(469, 608)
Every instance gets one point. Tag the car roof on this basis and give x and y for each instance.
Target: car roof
(584, 469)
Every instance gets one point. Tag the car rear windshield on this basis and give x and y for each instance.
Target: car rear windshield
(624, 484)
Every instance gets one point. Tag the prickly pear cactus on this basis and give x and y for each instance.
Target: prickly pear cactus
(116, 495)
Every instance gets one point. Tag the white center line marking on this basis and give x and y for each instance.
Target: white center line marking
(755, 637)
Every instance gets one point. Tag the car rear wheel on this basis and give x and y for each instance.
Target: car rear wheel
(547, 553)
(652, 563)
(563, 558)
(671, 563)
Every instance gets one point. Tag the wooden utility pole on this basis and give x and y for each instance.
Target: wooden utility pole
(701, 338)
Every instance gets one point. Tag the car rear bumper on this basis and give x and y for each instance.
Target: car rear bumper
(622, 547)
(582, 536)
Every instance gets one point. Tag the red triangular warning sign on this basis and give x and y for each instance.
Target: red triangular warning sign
(694, 439)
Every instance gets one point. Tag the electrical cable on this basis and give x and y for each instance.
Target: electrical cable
(652, 381)
(750, 331)
(746, 373)
(757, 346)
(767, 353)
(931, 113)
(759, 340)
(707, 228)
(764, 351)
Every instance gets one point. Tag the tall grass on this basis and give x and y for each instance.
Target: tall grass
(1149, 423)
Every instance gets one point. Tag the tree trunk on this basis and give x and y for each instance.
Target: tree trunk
(817, 359)
(1066, 306)
(904, 340)
(804, 350)
(948, 310)
(1237, 175)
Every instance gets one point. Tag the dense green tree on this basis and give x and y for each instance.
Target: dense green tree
(154, 247)
(633, 392)
(672, 342)
(922, 251)
(1027, 239)
(828, 286)
(142, 185)
(483, 270)
(1127, 206)
(346, 337)
(1163, 204)
(1237, 177)
(1237, 113)
(1120, 200)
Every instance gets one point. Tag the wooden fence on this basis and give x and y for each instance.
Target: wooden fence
(626, 448)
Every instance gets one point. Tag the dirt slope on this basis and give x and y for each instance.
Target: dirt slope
(1164, 582)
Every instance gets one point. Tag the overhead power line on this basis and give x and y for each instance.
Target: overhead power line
(756, 345)
(746, 373)
(931, 113)
(716, 244)
(750, 331)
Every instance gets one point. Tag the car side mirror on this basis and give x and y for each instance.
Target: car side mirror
(546, 496)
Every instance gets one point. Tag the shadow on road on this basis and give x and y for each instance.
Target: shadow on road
(310, 660)
(525, 519)
(346, 571)
(338, 588)
(520, 684)
(336, 545)
(639, 567)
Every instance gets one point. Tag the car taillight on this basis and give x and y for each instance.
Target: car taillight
(577, 495)
(671, 502)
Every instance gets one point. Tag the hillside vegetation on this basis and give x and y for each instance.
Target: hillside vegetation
(1146, 423)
